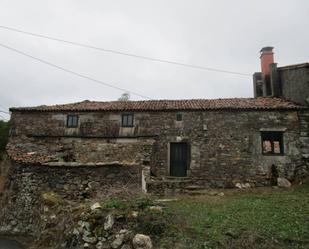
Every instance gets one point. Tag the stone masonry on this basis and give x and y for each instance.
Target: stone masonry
(225, 146)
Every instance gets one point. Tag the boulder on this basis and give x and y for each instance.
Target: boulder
(141, 241)
(283, 182)
(109, 222)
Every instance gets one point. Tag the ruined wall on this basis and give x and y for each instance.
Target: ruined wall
(22, 198)
(295, 84)
(225, 145)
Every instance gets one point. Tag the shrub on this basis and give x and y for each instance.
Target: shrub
(4, 132)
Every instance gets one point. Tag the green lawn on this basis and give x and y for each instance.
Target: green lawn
(259, 218)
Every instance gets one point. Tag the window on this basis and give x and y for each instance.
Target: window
(127, 120)
(72, 121)
(179, 117)
(272, 143)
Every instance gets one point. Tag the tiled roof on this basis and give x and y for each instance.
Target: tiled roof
(261, 103)
(295, 66)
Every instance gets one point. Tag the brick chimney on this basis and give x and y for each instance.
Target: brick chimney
(267, 58)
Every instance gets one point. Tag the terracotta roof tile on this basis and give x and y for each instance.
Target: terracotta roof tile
(28, 153)
(261, 103)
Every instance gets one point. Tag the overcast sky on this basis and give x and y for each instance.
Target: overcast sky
(221, 34)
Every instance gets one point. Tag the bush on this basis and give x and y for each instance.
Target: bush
(4, 132)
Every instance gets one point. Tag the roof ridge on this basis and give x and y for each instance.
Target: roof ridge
(261, 103)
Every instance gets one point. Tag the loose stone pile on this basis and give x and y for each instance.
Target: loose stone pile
(101, 228)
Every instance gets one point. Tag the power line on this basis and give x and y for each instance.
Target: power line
(73, 72)
(5, 119)
(124, 53)
(4, 112)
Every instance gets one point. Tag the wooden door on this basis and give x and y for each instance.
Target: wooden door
(178, 159)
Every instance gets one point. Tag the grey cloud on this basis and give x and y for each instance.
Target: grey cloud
(220, 34)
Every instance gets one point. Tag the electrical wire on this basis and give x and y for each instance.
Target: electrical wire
(3, 118)
(74, 73)
(124, 53)
(5, 112)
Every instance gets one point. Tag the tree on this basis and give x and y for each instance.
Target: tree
(124, 97)
(4, 133)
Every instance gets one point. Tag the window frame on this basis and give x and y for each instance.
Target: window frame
(126, 115)
(177, 117)
(72, 125)
(272, 137)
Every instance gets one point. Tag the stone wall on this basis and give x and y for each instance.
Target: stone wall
(295, 84)
(225, 146)
(25, 185)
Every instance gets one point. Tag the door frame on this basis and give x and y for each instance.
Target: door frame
(169, 157)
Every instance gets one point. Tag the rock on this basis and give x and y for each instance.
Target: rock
(96, 206)
(53, 216)
(166, 200)
(156, 209)
(93, 185)
(51, 198)
(238, 185)
(14, 223)
(64, 245)
(90, 240)
(246, 185)
(45, 208)
(75, 231)
(141, 241)
(101, 245)
(133, 214)
(109, 222)
(110, 176)
(283, 182)
(86, 233)
(212, 193)
(118, 241)
(126, 247)
(123, 231)
(221, 194)
(84, 225)
(86, 245)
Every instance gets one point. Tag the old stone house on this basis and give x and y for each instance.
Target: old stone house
(169, 144)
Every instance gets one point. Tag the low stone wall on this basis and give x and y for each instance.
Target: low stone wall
(170, 186)
(25, 185)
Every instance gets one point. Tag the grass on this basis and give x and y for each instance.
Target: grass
(139, 202)
(260, 218)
